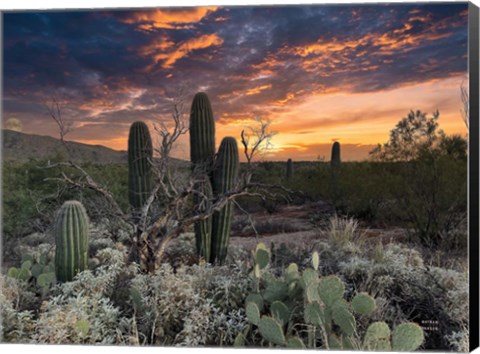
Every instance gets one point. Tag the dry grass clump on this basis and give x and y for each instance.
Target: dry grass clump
(344, 233)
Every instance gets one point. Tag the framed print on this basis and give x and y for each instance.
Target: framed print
(299, 176)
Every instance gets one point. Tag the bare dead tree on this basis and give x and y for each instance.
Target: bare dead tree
(256, 141)
(54, 109)
(82, 180)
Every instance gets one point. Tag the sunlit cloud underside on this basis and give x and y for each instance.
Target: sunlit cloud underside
(318, 73)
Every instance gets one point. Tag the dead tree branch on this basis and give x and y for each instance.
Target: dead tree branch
(256, 140)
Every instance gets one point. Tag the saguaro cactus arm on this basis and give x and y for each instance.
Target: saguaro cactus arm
(224, 176)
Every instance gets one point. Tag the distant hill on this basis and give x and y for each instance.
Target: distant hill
(22, 147)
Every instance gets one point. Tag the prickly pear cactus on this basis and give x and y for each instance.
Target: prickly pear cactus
(140, 154)
(407, 337)
(71, 241)
(271, 330)
(325, 317)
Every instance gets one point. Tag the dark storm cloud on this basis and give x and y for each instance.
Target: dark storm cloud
(120, 66)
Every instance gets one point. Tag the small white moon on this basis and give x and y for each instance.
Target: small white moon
(14, 124)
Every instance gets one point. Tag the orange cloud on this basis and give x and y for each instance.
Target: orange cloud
(323, 47)
(169, 18)
(258, 89)
(165, 50)
(333, 57)
(160, 44)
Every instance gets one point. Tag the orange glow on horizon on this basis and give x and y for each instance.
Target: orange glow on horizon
(359, 121)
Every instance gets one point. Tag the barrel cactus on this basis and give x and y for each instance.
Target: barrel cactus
(224, 177)
(140, 154)
(71, 240)
(335, 160)
(202, 154)
(289, 169)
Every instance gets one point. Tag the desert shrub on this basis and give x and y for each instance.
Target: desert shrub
(431, 176)
(196, 305)
(413, 290)
(459, 341)
(114, 177)
(31, 197)
(361, 191)
(182, 251)
(82, 311)
(28, 201)
(17, 324)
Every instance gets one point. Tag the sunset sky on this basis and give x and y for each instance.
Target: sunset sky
(319, 73)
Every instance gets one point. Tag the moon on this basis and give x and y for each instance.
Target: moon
(14, 124)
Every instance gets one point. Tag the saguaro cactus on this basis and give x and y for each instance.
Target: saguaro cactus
(202, 133)
(289, 169)
(335, 163)
(140, 154)
(335, 160)
(71, 240)
(224, 175)
(202, 199)
(202, 154)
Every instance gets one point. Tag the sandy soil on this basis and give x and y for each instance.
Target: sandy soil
(301, 231)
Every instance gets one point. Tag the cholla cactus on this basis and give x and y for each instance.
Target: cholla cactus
(71, 240)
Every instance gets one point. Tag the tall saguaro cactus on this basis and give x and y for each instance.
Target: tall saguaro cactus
(71, 240)
(289, 169)
(224, 177)
(335, 160)
(140, 154)
(202, 134)
(202, 154)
